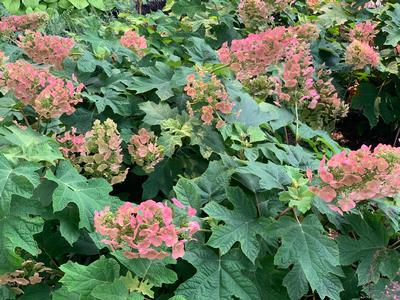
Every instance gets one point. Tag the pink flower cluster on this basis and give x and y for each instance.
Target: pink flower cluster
(11, 24)
(3, 59)
(351, 177)
(297, 76)
(329, 107)
(286, 50)
(98, 153)
(144, 150)
(255, 14)
(392, 290)
(132, 40)
(360, 53)
(305, 32)
(373, 4)
(46, 49)
(49, 95)
(208, 96)
(29, 274)
(313, 4)
(147, 230)
(251, 56)
(364, 32)
(316, 96)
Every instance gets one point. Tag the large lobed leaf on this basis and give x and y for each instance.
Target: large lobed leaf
(370, 249)
(17, 229)
(217, 277)
(315, 258)
(89, 195)
(240, 224)
(16, 180)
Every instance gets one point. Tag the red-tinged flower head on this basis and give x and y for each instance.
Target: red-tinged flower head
(12, 24)
(49, 95)
(364, 32)
(209, 97)
(145, 151)
(98, 153)
(309, 174)
(147, 230)
(351, 177)
(177, 203)
(313, 4)
(132, 40)
(360, 54)
(46, 49)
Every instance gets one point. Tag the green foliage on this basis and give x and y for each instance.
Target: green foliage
(241, 224)
(26, 144)
(315, 258)
(298, 195)
(17, 230)
(154, 271)
(53, 6)
(263, 233)
(392, 26)
(370, 249)
(20, 179)
(88, 195)
(217, 277)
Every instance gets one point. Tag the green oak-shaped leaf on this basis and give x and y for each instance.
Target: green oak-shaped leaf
(188, 193)
(155, 271)
(314, 257)
(99, 4)
(79, 4)
(333, 14)
(16, 180)
(88, 195)
(370, 249)
(17, 143)
(160, 78)
(155, 113)
(16, 230)
(392, 26)
(213, 182)
(217, 277)
(83, 279)
(115, 291)
(367, 99)
(272, 176)
(200, 52)
(240, 224)
(63, 294)
(248, 112)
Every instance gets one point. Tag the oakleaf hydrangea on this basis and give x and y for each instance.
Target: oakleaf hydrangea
(352, 177)
(150, 230)
(49, 95)
(46, 49)
(297, 84)
(30, 273)
(12, 24)
(98, 153)
(208, 97)
(256, 14)
(132, 40)
(144, 150)
(360, 54)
